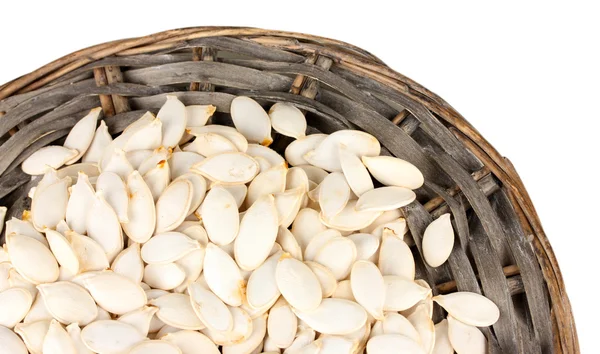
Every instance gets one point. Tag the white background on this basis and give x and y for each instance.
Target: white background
(526, 75)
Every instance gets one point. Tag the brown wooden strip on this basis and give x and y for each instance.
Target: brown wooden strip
(105, 101)
(207, 54)
(114, 76)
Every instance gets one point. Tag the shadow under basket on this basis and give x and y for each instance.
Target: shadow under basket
(501, 249)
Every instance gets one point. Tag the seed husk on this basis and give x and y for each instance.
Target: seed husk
(49, 204)
(191, 342)
(334, 194)
(100, 141)
(242, 328)
(385, 198)
(299, 147)
(68, 302)
(210, 309)
(103, 226)
(388, 343)
(110, 336)
(228, 168)
(220, 216)
(270, 181)
(438, 241)
(326, 154)
(62, 250)
(14, 305)
(81, 199)
(402, 293)
(117, 162)
(395, 323)
(47, 157)
(368, 288)
(129, 263)
(115, 193)
(164, 276)
(176, 311)
(337, 344)
(334, 316)
(57, 340)
(465, 338)
(470, 308)
(259, 328)
(157, 179)
(115, 293)
(181, 162)
(318, 241)
(167, 247)
(288, 242)
(395, 257)
(32, 259)
(261, 289)
(209, 144)
(282, 324)
(240, 142)
(367, 246)
(11, 342)
(349, 219)
(223, 276)
(192, 264)
(421, 320)
(24, 228)
(173, 116)
(141, 209)
(442, 341)
(33, 334)
(155, 347)
(298, 284)
(355, 172)
(251, 120)
(325, 276)
(306, 225)
(338, 254)
(288, 120)
(392, 171)
(140, 318)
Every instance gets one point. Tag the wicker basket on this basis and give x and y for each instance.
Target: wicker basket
(502, 250)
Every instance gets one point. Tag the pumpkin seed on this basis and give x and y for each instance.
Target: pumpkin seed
(164, 276)
(16, 280)
(228, 168)
(402, 293)
(158, 155)
(288, 120)
(385, 198)
(117, 162)
(262, 286)
(223, 276)
(103, 226)
(259, 328)
(14, 305)
(49, 204)
(33, 334)
(269, 346)
(140, 318)
(57, 340)
(100, 142)
(392, 171)
(306, 225)
(194, 230)
(366, 246)
(210, 309)
(198, 115)
(326, 154)
(180, 163)
(75, 333)
(288, 242)
(395, 323)
(38, 311)
(395, 257)
(334, 316)
(144, 136)
(334, 194)
(442, 341)
(298, 148)
(422, 322)
(388, 343)
(230, 133)
(209, 144)
(192, 265)
(338, 254)
(90, 169)
(157, 179)
(155, 347)
(176, 311)
(368, 288)
(32, 259)
(137, 157)
(129, 263)
(349, 219)
(48, 157)
(173, 116)
(270, 181)
(115, 193)
(298, 284)
(465, 338)
(166, 329)
(191, 342)
(261, 218)
(325, 276)
(115, 293)
(305, 338)
(317, 243)
(438, 241)
(110, 336)
(82, 197)
(242, 328)
(470, 308)
(5, 268)
(167, 247)
(11, 343)
(173, 205)
(397, 227)
(24, 228)
(354, 171)
(282, 324)
(198, 190)
(219, 215)
(141, 210)
(336, 344)
(251, 120)
(90, 254)
(68, 302)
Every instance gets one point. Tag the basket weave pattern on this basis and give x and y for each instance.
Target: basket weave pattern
(502, 250)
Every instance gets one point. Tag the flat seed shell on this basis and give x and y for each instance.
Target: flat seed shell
(25, 228)
(223, 276)
(157, 179)
(47, 157)
(465, 338)
(155, 347)
(90, 169)
(395, 257)
(81, 199)
(282, 324)
(336, 344)
(32, 334)
(144, 136)
(140, 318)
(251, 120)
(141, 210)
(181, 162)
(192, 264)
(167, 247)
(115, 193)
(230, 133)
(68, 302)
(442, 341)
(11, 343)
(288, 243)
(81, 135)
(288, 120)
(173, 205)
(298, 284)
(355, 172)
(62, 250)
(385, 198)
(198, 115)
(319, 240)
(209, 144)
(242, 328)
(14, 305)
(176, 311)
(270, 181)
(173, 116)
(326, 155)
(57, 340)
(262, 285)
(90, 254)
(117, 162)
(191, 342)
(220, 216)
(164, 276)
(103, 226)
(368, 287)
(75, 333)
(272, 156)
(395, 323)
(210, 309)
(424, 325)
(325, 276)
(366, 245)
(32, 259)
(389, 343)
(306, 225)
(470, 308)
(38, 311)
(49, 205)
(349, 219)
(338, 255)
(129, 263)
(115, 293)
(259, 328)
(228, 168)
(334, 194)
(260, 219)
(335, 316)
(438, 241)
(392, 171)
(136, 157)
(198, 190)
(101, 140)
(299, 147)
(305, 338)
(109, 336)
(402, 293)
(314, 173)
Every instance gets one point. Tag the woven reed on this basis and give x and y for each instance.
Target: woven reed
(502, 250)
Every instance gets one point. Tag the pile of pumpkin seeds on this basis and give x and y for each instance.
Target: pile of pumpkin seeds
(181, 236)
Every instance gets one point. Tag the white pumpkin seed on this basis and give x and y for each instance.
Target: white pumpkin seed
(438, 241)
(141, 210)
(230, 133)
(75, 333)
(198, 115)
(81, 135)
(325, 276)
(228, 168)
(326, 154)
(24, 228)
(157, 179)
(115, 293)
(397, 227)
(164, 276)
(338, 254)
(298, 148)
(261, 218)
(306, 225)
(288, 120)
(402, 293)
(57, 340)
(15, 280)
(176, 311)
(318, 241)
(192, 264)
(242, 328)
(100, 142)
(5, 268)
(395, 323)
(269, 346)
(223, 276)
(298, 284)
(167, 247)
(117, 162)
(109, 336)
(470, 308)
(388, 343)
(68, 302)
(349, 219)
(33, 334)
(259, 328)
(90, 169)
(173, 116)
(32, 259)
(140, 318)
(82, 197)
(334, 194)
(220, 216)
(173, 205)
(191, 342)
(334, 316)
(385, 198)
(272, 156)
(155, 347)
(210, 309)
(395, 257)
(262, 286)
(355, 172)
(103, 226)
(366, 246)
(344, 291)
(442, 341)
(49, 204)
(424, 325)
(115, 193)
(48, 157)
(314, 174)
(38, 311)
(180, 163)
(11, 343)
(392, 171)
(194, 230)
(166, 329)
(209, 144)
(144, 136)
(296, 178)
(336, 344)
(158, 155)
(270, 181)
(62, 227)
(137, 157)
(282, 324)
(288, 242)
(251, 120)
(368, 288)
(90, 254)
(129, 263)
(14, 305)
(198, 190)
(465, 338)
(305, 338)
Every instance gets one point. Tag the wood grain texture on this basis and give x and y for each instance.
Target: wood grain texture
(501, 249)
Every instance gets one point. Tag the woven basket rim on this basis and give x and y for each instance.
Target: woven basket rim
(370, 66)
